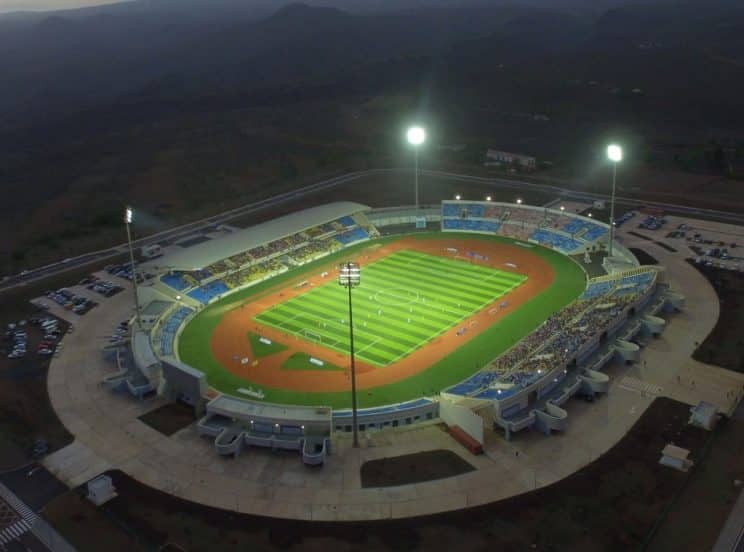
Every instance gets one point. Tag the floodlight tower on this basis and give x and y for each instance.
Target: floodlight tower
(615, 155)
(416, 136)
(128, 218)
(350, 276)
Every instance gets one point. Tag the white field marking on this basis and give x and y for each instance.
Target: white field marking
(360, 351)
(440, 332)
(333, 340)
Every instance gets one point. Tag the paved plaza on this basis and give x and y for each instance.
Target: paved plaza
(108, 434)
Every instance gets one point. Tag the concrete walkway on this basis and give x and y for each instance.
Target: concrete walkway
(109, 435)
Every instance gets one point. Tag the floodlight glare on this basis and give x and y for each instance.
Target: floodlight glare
(614, 153)
(488, 198)
(416, 136)
(128, 215)
(519, 201)
(458, 197)
(349, 274)
(563, 208)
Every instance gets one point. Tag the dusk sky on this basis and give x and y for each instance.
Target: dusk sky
(13, 5)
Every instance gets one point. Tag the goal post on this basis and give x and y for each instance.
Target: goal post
(312, 336)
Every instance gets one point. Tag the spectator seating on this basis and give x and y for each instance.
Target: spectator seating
(526, 217)
(209, 291)
(634, 284)
(347, 222)
(177, 280)
(556, 241)
(471, 225)
(592, 230)
(203, 274)
(170, 328)
(597, 289)
(464, 210)
(352, 236)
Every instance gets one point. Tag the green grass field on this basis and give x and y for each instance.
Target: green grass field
(301, 361)
(261, 349)
(404, 301)
(570, 280)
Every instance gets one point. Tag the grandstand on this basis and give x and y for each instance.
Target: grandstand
(566, 233)
(209, 270)
(564, 347)
(169, 328)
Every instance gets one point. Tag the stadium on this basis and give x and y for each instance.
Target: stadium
(487, 316)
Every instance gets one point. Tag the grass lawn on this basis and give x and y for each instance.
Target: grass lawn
(404, 301)
(261, 349)
(301, 361)
(570, 281)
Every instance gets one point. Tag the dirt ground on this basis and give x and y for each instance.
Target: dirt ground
(611, 504)
(724, 346)
(643, 257)
(169, 418)
(413, 468)
(699, 513)
(229, 340)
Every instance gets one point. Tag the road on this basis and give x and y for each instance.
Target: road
(185, 230)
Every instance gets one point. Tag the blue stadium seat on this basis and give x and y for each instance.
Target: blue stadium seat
(471, 225)
(176, 281)
(556, 241)
(593, 230)
(352, 236)
(170, 328)
(347, 221)
(463, 210)
(209, 291)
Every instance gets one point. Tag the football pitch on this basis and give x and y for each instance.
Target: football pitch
(404, 301)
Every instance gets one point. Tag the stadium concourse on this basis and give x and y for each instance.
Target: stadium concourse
(588, 347)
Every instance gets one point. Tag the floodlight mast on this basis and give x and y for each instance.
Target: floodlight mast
(416, 136)
(349, 276)
(615, 155)
(128, 219)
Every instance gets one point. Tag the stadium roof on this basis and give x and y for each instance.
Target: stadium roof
(211, 251)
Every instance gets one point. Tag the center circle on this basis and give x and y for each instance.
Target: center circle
(396, 297)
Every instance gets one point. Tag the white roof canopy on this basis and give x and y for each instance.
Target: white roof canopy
(204, 254)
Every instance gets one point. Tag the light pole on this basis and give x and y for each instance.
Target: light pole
(416, 136)
(615, 155)
(128, 218)
(349, 276)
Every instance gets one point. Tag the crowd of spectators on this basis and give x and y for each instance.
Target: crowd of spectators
(252, 273)
(313, 249)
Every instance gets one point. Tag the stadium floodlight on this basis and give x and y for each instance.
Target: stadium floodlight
(488, 198)
(615, 155)
(562, 208)
(416, 136)
(350, 276)
(519, 201)
(589, 215)
(128, 218)
(458, 197)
